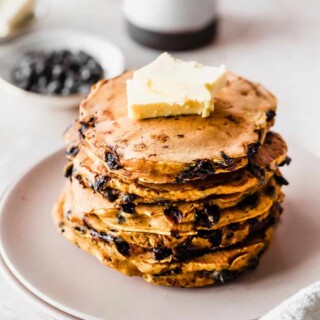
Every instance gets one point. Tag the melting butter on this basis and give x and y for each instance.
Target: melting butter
(171, 87)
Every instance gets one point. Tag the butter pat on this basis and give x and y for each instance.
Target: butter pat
(170, 87)
(145, 103)
(13, 13)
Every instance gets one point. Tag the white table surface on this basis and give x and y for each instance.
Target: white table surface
(274, 42)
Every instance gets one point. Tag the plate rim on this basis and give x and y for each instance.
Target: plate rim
(30, 296)
(3, 200)
(23, 290)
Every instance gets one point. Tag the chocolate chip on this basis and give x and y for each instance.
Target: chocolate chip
(254, 225)
(128, 197)
(236, 176)
(100, 182)
(208, 216)
(175, 234)
(221, 276)
(258, 227)
(270, 191)
(72, 151)
(226, 275)
(270, 115)
(250, 202)
(80, 180)
(257, 172)
(90, 184)
(201, 169)
(260, 133)
(68, 171)
(161, 253)
(85, 221)
(227, 161)
(180, 136)
(214, 236)
(287, 161)
(111, 194)
(58, 72)
(173, 214)
(122, 246)
(270, 221)
(128, 207)
(121, 219)
(183, 253)
(229, 235)
(68, 214)
(101, 236)
(80, 229)
(234, 226)
(112, 161)
(280, 180)
(253, 149)
(85, 125)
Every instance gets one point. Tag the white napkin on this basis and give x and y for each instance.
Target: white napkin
(305, 305)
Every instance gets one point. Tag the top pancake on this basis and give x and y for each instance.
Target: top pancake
(177, 148)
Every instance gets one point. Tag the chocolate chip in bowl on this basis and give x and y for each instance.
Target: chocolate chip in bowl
(56, 69)
(60, 72)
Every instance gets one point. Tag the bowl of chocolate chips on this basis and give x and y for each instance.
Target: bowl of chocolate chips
(56, 69)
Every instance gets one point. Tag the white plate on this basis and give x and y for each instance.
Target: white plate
(45, 307)
(107, 54)
(73, 281)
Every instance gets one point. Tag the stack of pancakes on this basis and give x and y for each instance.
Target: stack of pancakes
(180, 201)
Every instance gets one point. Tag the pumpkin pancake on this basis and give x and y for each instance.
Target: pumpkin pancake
(87, 200)
(84, 199)
(94, 174)
(201, 278)
(131, 260)
(234, 259)
(202, 240)
(86, 171)
(178, 148)
(203, 217)
(180, 201)
(184, 247)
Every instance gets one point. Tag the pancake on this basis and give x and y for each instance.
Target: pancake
(208, 266)
(187, 246)
(83, 171)
(178, 148)
(207, 218)
(226, 236)
(181, 201)
(87, 200)
(270, 155)
(193, 279)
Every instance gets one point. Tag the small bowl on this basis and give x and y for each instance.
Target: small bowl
(108, 55)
